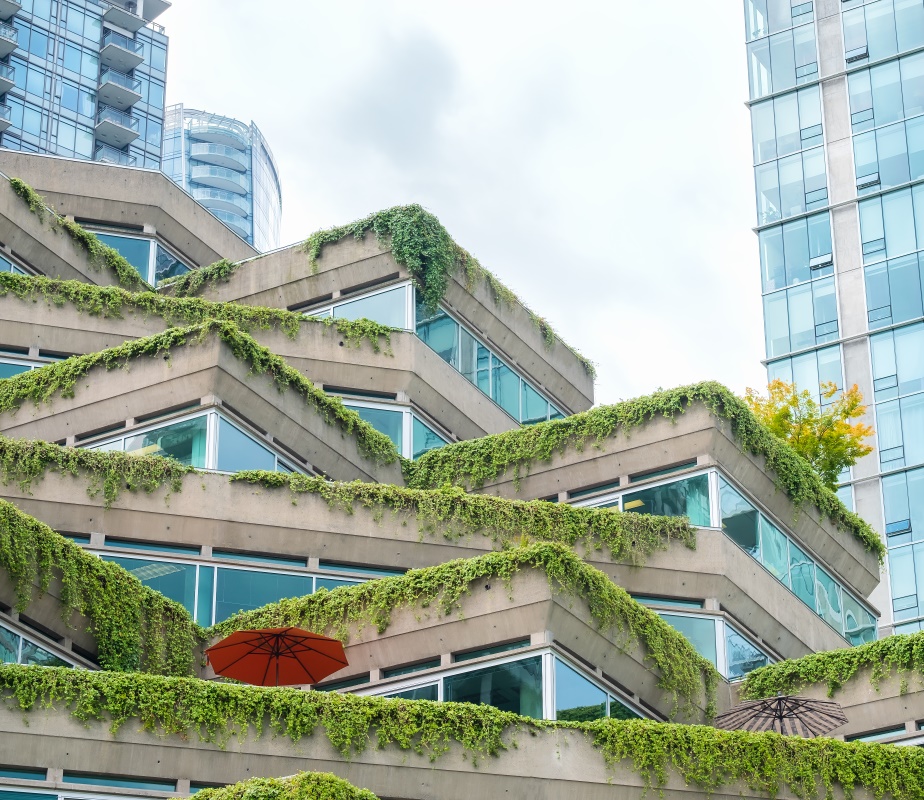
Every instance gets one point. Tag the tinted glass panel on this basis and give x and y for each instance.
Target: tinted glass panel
(430, 692)
(515, 687)
(136, 252)
(802, 575)
(244, 590)
(176, 581)
(9, 646)
(425, 438)
(739, 519)
(700, 631)
(391, 423)
(386, 308)
(237, 451)
(684, 498)
(184, 441)
(576, 698)
(743, 657)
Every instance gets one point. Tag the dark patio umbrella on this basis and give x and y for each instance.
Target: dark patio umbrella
(791, 716)
(277, 657)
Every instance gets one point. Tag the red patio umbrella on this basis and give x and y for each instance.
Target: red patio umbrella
(277, 657)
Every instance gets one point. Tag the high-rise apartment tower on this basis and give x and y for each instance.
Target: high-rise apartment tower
(83, 79)
(837, 116)
(229, 168)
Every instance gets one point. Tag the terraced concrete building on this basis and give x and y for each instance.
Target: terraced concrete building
(376, 440)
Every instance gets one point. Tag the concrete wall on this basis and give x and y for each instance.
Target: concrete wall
(130, 197)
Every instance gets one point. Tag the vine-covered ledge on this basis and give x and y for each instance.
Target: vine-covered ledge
(455, 515)
(303, 786)
(682, 672)
(60, 378)
(704, 758)
(100, 256)
(901, 655)
(114, 302)
(474, 462)
(136, 628)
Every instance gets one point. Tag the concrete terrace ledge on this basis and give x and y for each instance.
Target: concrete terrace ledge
(286, 279)
(419, 751)
(184, 368)
(403, 366)
(135, 198)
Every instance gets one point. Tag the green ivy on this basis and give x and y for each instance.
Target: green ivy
(101, 256)
(24, 461)
(901, 655)
(475, 462)
(683, 673)
(136, 628)
(61, 378)
(424, 247)
(302, 786)
(453, 514)
(192, 282)
(703, 757)
(113, 302)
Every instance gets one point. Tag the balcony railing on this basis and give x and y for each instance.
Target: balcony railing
(219, 198)
(220, 154)
(8, 32)
(119, 40)
(6, 117)
(110, 155)
(113, 115)
(120, 79)
(7, 71)
(221, 178)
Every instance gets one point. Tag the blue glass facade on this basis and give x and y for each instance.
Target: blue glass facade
(229, 168)
(84, 79)
(873, 68)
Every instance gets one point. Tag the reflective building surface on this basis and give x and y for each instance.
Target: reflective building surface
(83, 79)
(837, 116)
(227, 166)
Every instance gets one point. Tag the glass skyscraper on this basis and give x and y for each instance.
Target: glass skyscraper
(83, 78)
(837, 116)
(229, 168)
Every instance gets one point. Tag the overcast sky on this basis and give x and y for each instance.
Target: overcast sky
(594, 155)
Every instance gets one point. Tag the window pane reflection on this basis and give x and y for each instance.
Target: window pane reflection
(685, 498)
(576, 698)
(184, 441)
(515, 687)
(237, 451)
(386, 308)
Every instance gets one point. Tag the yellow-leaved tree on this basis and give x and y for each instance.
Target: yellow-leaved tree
(827, 436)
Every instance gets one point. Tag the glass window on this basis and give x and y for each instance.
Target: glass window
(505, 387)
(245, 590)
(9, 646)
(136, 252)
(903, 498)
(535, 406)
(166, 265)
(700, 631)
(386, 421)
(576, 698)
(802, 575)
(204, 616)
(516, 687)
(171, 579)
(743, 657)
(184, 441)
(684, 498)
(828, 595)
(237, 451)
(8, 369)
(859, 624)
(774, 548)
(430, 692)
(440, 332)
(740, 519)
(386, 308)
(796, 252)
(425, 438)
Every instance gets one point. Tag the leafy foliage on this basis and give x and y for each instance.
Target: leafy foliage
(703, 757)
(135, 627)
(113, 302)
(475, 462)
(683, 673)
(101, 256)
(900, 655)
(191, 283)
(824, 437)
(424, 247)
(452, 513)
(61, 378)
(303, 786)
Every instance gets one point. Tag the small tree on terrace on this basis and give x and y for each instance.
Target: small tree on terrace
(825, 436)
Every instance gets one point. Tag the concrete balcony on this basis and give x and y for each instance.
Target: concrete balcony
(8, 8)
(220, 132)
(220, 155)
(220, 200)
(110, 155)
(122, 16)
(120, 53)
(118, 90)
(220, 178)
(7, 74)
(5, 117)
(116, 128)
(9, 40)
(240, 225)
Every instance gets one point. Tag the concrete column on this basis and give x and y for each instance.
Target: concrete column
(830, 38)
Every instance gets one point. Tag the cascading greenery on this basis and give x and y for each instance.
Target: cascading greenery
(473, 463)
(454, 514)
(61, 378)
(135, 627)
(303, 786)
(100, 256)
(114, 302)
(901, 655)
(683, 673)
(421, 244)
(702, 757)
(191, 283)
